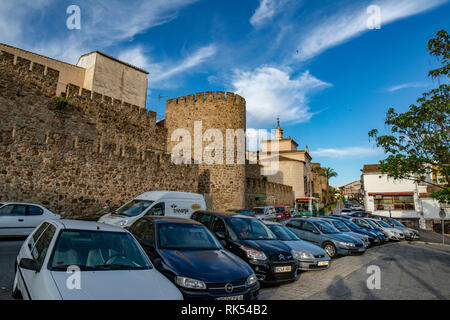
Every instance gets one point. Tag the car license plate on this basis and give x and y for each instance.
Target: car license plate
(241, 297)
(322, 263)
(361, 250)
(283, 269)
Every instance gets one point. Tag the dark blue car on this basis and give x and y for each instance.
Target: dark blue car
(188, 254)
(362, 223)
(373, 238)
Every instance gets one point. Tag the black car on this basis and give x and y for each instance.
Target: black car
(249, 238)
(188, 254)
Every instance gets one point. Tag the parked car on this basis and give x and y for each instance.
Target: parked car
(308, 255)
(112, 265)
(283, 212)
(326, 236)
(245, 212)
(266, 213)
(295, 213)
(410, 234)
(361, 222)
(392, 233)
(20, 219)
(250, 239)
(346, 210)
(339, 225)
(189, 255)
(373, 238)
(156, 203)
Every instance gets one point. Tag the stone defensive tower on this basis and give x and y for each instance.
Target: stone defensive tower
(225, 182)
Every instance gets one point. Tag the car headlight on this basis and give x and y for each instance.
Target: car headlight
(122, 223)
(190, 283)
(346, 244)
(301, 255)
(254, 254)
(252, 280)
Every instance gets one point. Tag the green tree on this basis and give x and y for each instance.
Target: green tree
(418, 141)
(328, 173)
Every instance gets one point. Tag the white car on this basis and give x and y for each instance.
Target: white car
(156, 203)
(267, 213)
(80, 260)
(20, 219)
(392, 233)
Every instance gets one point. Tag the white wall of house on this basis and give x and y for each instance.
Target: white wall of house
(378, 183)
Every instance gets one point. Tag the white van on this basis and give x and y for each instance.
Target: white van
(156, 203)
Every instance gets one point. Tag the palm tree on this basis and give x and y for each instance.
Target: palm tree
(328, 173)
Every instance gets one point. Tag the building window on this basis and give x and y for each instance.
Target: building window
(394, 203)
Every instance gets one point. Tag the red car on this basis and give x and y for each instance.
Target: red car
(283, 212)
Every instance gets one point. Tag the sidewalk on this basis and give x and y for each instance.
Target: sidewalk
(433, 237)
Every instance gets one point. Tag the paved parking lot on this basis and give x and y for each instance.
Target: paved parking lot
(408, 271)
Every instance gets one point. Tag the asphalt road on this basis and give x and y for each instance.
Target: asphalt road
(407, 271)
(8, 252)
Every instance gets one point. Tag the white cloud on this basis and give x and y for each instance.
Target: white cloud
(349, 152)
(351, 22)
(406, 86)
(271, 92)
(161, 73)
(104, 23)
(266, 11)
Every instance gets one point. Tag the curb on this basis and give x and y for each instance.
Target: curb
(425, 242)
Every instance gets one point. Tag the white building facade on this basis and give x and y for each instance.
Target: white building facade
(401, 199)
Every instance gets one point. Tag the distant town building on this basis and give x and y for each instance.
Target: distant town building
(294, 168)
(403, 199)
(352, 191)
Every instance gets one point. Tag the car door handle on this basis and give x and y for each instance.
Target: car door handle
(20, 220)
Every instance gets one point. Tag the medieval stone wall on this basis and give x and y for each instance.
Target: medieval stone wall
(260, 192)
(74, 159)
(224, 182)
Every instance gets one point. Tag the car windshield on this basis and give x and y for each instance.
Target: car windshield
(258, 211)
(282, 232)
(372, 224)
(340, 226)
(97, 250)
(251, 229)
(133, 208)
(397, 223)
(325, 227)
(383, 224)
(183, 236)
(350, 224)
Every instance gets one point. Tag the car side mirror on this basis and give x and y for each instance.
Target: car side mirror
(157, 262)
(29, 264)
(220, 235)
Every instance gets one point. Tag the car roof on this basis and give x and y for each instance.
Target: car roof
(272, 223)
(172, 220)
(85, 225)
(24, 203)
(225, 214)
(156, 195)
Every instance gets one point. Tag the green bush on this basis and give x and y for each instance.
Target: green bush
(61, 103)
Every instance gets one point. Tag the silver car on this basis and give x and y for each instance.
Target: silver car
(393, 234)
(309, 256)
(346, 230)
(410, 234)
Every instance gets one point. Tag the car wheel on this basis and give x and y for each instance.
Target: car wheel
(330, 249)
(16, 294)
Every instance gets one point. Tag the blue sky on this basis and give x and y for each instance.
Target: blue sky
(313, 63)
